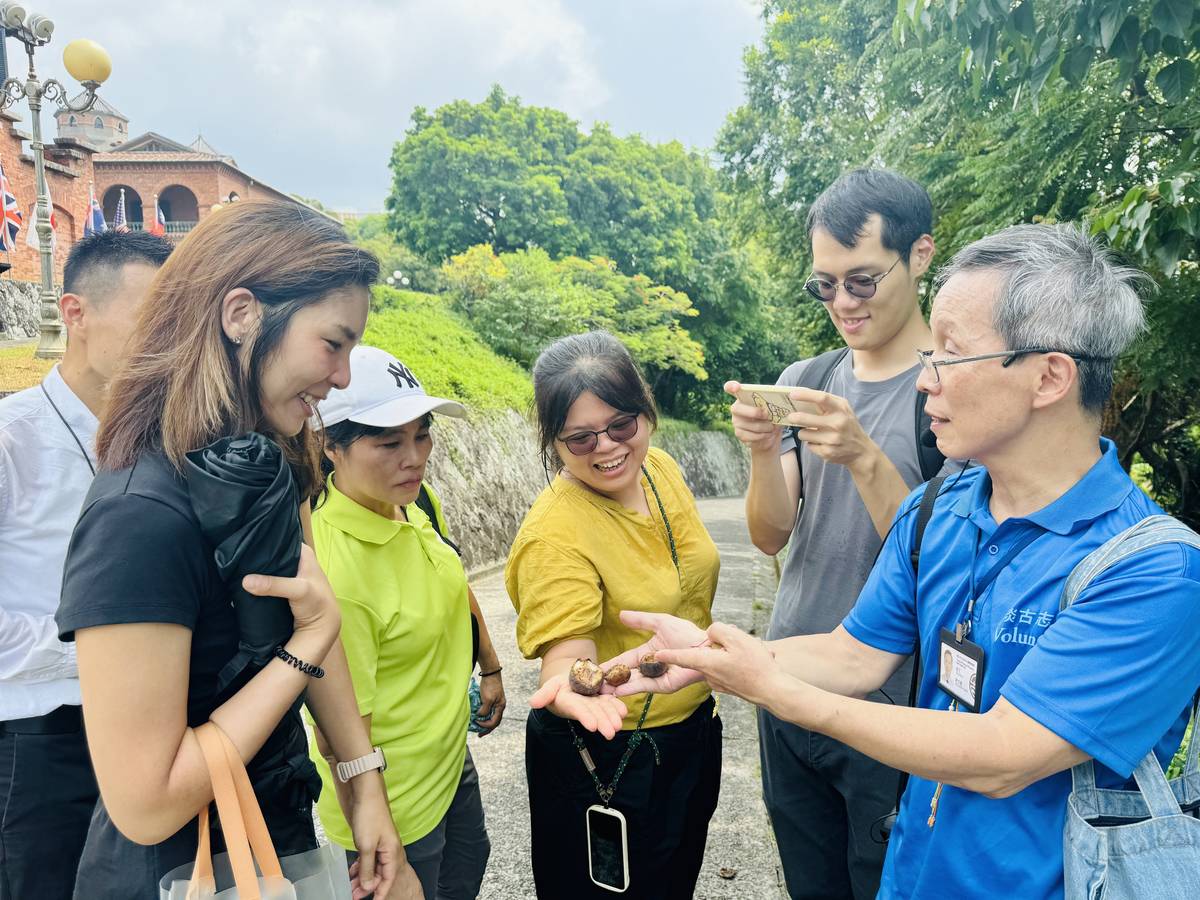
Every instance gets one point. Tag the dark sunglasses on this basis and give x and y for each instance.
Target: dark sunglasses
(860, 286)
(584, 442)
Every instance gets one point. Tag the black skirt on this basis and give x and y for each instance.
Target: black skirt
(667, 806)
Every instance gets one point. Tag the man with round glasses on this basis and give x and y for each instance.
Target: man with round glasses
(1051, 659)
(856, 460)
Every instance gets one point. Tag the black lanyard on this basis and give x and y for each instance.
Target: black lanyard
(606, 793)
(962, 629)
(87, 459)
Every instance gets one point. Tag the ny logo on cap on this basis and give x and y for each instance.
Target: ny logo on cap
(403, 373)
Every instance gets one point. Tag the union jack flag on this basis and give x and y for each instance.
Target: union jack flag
(12, 215)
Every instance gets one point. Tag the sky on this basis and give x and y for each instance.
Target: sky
(310, 97)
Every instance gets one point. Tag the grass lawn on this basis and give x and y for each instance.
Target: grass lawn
(18, 368)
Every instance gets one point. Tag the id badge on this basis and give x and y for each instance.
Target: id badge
(961, 670)
(608, 848)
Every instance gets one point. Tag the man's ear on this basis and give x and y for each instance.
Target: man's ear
(920, 255)
(1059, 378)
(73, 309)
(240, 312)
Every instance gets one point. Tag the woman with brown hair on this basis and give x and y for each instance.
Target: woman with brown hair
(245, 329)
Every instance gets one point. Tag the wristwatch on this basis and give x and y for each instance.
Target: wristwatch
(373, 760)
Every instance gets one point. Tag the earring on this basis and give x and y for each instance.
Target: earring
(237, 340)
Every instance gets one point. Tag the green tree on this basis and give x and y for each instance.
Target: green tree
(518, 177)
(521, 301)
(835, 85)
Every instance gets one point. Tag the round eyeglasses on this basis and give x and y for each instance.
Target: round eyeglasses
(582, 443)
(931, 365)
(861, 286)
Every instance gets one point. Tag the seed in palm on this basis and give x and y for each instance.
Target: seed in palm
(651, 666)
(617, 675)
(585, 677)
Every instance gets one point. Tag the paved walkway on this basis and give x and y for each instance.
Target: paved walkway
(739, 837)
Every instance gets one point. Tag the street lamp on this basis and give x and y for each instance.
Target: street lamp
(89, 64)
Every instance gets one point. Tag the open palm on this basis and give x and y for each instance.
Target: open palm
(668, 633)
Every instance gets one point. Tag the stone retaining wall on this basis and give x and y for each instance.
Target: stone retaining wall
(19, 310)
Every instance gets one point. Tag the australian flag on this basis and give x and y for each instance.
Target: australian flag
(12, 215)
(93, 222)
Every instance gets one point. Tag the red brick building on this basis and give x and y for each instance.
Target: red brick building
(69, 171)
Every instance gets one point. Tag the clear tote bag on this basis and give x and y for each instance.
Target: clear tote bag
(319, 874)
(1131, 845)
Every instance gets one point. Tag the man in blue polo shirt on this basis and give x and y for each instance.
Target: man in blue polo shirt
(1026, 327)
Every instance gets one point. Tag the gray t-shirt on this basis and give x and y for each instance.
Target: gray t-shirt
(834, 542)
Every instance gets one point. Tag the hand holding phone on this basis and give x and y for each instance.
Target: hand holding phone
(776, 400)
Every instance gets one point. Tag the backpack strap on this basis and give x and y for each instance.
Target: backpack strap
(1160, 799)
(929, 457)
(924, 514)
(425, 503)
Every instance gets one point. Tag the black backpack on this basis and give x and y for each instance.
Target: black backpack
(425, 504)
(817, 375)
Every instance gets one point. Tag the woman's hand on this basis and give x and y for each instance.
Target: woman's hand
(602, 713)
(492, 703)
(380, 853)
(314, 605)
(669, 632)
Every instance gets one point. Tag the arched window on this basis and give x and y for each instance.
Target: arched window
(99, 122)
(71, 121)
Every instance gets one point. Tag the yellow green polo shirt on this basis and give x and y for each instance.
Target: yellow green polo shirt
(580, 558)
(406, 627)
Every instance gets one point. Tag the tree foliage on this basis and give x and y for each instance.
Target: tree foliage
(517, 177)
(522, 300)
(944, 92)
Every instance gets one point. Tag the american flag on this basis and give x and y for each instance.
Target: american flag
(159, 226)
(12, 215)
(119, 223)
(93, 222)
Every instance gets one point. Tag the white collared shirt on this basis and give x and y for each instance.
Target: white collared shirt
(44, 479)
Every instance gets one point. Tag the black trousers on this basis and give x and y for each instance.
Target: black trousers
(824, 800)
(47, 793)
(667, 807)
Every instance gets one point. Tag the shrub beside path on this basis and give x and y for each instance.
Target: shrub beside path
(739, 836)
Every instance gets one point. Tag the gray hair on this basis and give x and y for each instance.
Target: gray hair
(1061, 290)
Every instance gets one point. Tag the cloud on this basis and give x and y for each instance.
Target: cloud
(311, 95)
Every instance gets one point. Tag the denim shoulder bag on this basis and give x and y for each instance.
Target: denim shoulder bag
(1126, 845)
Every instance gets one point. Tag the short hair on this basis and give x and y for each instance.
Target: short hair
(1060, 289)
(95, 262)
(842, 209)
(596, 362)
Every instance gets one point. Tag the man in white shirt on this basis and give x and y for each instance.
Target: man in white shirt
(47, 461)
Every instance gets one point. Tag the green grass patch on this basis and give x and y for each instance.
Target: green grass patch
(447, 356)
(19, 369)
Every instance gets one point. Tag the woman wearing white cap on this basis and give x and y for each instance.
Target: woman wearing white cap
(406, 623)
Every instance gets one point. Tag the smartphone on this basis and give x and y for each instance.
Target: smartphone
(608, 849)
(775, 399)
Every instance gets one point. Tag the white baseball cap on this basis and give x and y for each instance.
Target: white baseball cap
(382, 392)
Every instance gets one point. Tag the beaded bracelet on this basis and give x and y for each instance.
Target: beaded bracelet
(307, 668)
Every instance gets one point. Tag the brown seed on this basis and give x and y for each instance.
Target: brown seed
(651, 667)
(585, 677)
(617, 675)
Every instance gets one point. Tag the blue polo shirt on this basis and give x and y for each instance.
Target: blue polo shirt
(1113, 675)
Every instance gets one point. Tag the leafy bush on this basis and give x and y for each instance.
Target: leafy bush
(521, 301)
(447, 356)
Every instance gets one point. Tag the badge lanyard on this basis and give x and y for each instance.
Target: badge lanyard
(965, 654)
(606, 793)
(87, 459)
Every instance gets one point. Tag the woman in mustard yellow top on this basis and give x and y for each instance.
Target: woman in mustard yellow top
(617, 529)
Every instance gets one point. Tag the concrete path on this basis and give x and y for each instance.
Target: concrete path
(739, 837)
